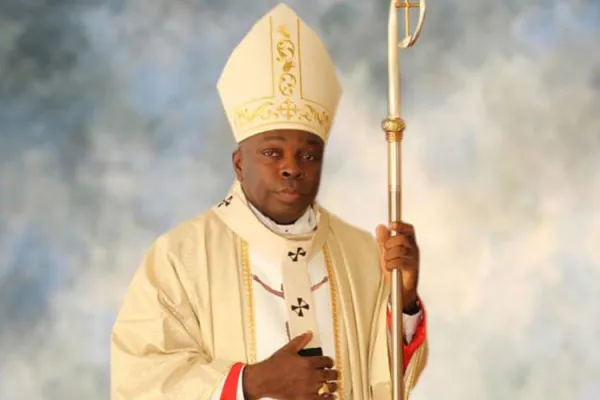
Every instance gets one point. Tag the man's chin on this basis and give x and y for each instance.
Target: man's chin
(289, 212)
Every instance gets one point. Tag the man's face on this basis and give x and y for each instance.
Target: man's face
(280, 172)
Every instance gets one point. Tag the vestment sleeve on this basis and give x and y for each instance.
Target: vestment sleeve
(415, 355)
(156, 346)
(415, 328)
(231, 387)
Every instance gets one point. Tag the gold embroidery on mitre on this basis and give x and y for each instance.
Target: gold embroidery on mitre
(286, 52)
(288, 105)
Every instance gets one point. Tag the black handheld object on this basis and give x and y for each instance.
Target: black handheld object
(315, 351)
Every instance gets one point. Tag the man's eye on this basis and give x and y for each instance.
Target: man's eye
(270, 153)
(309, 157)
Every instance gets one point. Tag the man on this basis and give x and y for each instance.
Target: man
(267, 294)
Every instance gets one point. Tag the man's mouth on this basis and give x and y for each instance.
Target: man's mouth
(289, 194)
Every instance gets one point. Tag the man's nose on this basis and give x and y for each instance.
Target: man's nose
(290, 169)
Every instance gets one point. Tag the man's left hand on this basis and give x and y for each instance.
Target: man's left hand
(401, 252)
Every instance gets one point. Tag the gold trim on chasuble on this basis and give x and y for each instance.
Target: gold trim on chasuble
(336, 326)
(280, 105)
(248, 288)
(415, 368)
(247, 271)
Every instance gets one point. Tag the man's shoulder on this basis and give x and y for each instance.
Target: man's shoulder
(361, 252)
(347, 231)
(195, 230)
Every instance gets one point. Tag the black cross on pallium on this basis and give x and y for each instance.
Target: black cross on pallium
(299, 309)
(299, 253)
(226, 202)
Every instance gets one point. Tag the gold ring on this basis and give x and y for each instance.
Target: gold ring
(323, 389)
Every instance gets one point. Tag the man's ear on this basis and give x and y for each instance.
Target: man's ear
(236, 160)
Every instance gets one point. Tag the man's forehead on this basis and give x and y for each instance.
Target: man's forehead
(289, 135)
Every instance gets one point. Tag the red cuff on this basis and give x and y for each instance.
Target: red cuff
(418, 338)
(230, 387)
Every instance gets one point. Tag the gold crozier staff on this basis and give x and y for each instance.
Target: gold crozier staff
(394, 126)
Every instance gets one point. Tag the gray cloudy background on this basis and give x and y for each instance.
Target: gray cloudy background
(111, 132)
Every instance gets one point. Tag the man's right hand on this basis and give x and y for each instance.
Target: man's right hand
(288, 376)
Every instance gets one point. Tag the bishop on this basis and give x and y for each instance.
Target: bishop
(268, 295)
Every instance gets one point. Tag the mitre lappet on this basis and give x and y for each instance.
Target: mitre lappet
(281, 77)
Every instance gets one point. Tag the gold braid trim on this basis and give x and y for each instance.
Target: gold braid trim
(416, 366)
(249, 291)
(336, 323)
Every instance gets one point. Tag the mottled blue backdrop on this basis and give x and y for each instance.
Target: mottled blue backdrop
(111, 132)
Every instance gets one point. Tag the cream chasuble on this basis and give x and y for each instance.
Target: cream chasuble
(192, 308)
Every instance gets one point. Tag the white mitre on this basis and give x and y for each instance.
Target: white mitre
(280, 77)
